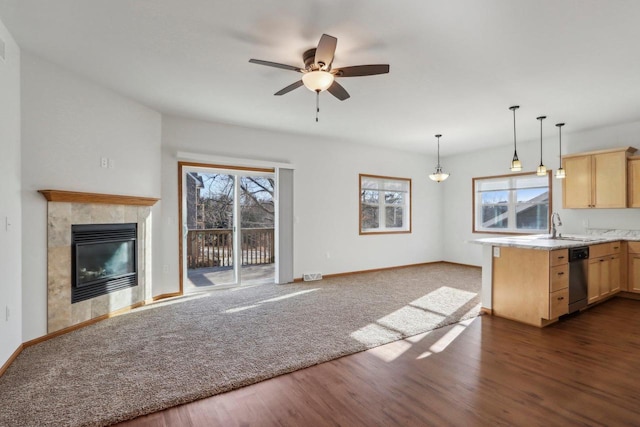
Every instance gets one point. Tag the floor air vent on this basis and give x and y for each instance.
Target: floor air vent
(310, 277)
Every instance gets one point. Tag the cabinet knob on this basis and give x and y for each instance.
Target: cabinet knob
(561, 273)
(560, 298)
(561, 257)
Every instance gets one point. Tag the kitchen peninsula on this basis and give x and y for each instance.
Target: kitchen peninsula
(526, 278)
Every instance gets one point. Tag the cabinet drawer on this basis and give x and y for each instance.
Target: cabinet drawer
(561, 256)
(558, 303)
(615, 247)
(559, 277)
(597, 251)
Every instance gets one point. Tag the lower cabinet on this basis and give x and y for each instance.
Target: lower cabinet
(529, 285)
(604, 271)
(633, 267)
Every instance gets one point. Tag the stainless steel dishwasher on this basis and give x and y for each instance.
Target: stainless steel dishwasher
(578, 271)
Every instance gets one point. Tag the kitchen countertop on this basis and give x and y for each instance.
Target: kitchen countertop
(545, 243)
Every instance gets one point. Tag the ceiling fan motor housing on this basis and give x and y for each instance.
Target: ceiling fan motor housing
(309, 58)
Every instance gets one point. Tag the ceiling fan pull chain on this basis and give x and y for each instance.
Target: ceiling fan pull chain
(317, 104)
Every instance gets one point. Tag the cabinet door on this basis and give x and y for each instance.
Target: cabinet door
(634, 183)
(605, 276)
(614, 273)
(610, 180)
(634, 272)
(593, 280)
(576, 187)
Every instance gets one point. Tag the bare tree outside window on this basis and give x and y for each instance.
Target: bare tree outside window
(210, 219)
(385, 204)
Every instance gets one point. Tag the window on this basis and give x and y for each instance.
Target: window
(512, 204)
(385, 204)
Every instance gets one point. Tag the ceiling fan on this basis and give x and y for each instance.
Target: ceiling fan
(317, 74)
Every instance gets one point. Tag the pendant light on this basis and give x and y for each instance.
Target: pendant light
(542, 170)
(439, 176)
(516, 166)
(560, 172)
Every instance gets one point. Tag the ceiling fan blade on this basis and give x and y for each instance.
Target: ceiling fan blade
(276, 65)
(325, 50)
(289, 88)
(338, 91)
(362, 70)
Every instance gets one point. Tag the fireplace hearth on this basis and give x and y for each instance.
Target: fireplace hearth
(103, 259)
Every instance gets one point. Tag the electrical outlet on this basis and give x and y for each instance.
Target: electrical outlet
(104, 162)
(110, 163)
(496, 252)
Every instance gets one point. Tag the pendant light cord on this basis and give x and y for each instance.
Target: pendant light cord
(559, 125)
(541, 118)
(515, 147)
(438, 136)
(540, 142)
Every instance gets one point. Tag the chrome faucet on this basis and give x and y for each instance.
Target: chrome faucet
(554, 225)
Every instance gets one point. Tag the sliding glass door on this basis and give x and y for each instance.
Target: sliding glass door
(228, 218)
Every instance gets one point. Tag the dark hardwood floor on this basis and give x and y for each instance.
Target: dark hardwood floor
(584, 370)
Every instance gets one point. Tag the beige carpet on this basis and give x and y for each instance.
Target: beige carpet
(194, 347)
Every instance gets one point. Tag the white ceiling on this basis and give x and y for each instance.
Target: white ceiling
(456, 65)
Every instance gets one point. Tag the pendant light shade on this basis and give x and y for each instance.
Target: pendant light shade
(542, 170)
(439, 176)
(516, 166)
(560, 174)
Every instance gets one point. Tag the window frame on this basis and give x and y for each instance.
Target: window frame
(407, 205)
(511, 205)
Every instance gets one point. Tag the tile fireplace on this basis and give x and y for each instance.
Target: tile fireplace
(98, 255)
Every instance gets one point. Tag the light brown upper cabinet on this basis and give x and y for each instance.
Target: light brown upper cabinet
(597, 179)
(633, 167)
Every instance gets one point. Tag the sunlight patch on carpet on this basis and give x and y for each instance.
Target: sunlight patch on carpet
(374, 334)
(444, 300)
(259, 303)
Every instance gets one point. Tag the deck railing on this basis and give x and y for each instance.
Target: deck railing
(214, 247)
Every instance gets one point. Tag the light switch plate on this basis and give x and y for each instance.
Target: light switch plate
(496, 252)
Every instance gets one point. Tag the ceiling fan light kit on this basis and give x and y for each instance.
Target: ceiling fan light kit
(318, 74)
(317, 81)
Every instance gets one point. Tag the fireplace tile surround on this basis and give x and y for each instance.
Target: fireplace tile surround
(61, 313)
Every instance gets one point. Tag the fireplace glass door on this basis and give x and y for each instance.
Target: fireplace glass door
(103, 259)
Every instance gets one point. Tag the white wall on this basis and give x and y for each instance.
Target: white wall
(495, 161)
(325, 195)
(68, 124)
(10, 206)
